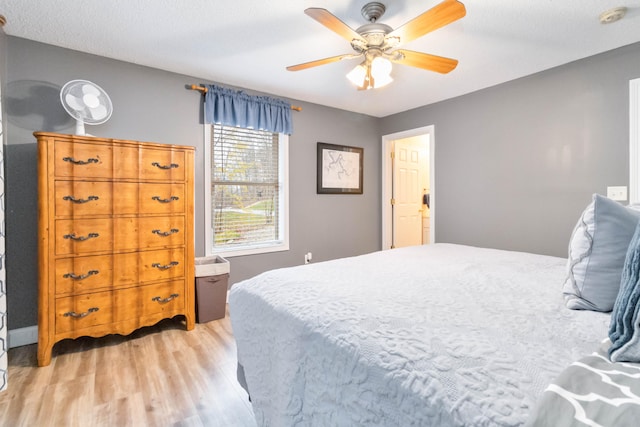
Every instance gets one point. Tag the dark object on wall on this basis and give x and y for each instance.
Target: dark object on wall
(426, 199)
(339, 169)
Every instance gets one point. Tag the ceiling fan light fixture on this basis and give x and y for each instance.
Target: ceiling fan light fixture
(381, 81)
(371, 76)
(380, 72)
(380, 68)
(358, 75)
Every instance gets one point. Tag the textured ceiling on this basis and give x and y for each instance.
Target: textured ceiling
(248, 43)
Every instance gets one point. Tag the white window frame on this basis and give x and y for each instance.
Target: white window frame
(283, 217)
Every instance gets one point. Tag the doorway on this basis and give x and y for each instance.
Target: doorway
(634, 141)
(408, 214)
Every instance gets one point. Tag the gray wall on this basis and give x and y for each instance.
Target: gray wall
(153, 105)
(517, 163)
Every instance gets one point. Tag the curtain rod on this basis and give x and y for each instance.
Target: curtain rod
(204, 90)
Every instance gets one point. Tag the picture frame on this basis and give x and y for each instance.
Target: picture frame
(339, 169)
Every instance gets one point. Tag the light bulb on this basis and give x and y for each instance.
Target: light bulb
(380, 68)
(357, 75)
(382, 81)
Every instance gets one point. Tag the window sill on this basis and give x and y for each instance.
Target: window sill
(252, 250)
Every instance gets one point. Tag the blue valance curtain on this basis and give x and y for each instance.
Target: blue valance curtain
(230, 107)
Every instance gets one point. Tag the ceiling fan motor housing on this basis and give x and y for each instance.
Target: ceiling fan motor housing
(373, 11)
(374, 33)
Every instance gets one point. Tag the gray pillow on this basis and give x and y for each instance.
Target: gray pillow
(597, 251)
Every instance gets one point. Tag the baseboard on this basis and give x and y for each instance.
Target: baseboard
(23, 336)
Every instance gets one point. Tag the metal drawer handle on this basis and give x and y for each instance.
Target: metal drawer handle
(80, 162)
(80, 277)
(165, 300)
(165, 233)
(165, 267)
(171, 199)
(81, 315)
(158, 165)
(74, 200)
(72, 236)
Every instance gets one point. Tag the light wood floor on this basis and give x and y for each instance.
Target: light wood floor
(157, 376)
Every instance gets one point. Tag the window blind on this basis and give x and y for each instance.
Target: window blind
(245, 187)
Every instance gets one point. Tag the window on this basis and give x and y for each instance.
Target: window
(247, 206)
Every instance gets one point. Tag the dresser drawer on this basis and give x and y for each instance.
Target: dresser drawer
(84, 274)
(80, 312)
(149, 232)
(92, 235)
(131, 198)
(148, 300)
(84, 311)
(83, 236)
(83, 160)
(100, 272)
(148, 266)
(135, 163)
(150, 164)
(78, 198)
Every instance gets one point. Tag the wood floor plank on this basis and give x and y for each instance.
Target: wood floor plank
(69, 400)
(157, 376)
(17, 412)
(124, 412)
(115, 358)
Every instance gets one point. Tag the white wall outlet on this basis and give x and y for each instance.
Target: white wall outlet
(617, 193)
(307, 257)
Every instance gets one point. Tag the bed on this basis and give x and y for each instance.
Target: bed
(434, 335)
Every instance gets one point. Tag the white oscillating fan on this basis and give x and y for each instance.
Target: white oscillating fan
(86, 102)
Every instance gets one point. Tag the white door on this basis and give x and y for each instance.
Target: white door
(409, 185)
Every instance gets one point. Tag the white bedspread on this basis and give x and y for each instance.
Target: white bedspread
(438, 335)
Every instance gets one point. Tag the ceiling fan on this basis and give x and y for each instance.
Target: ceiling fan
(376, 42)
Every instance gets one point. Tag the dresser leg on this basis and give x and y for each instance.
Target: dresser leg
(190, 322)
(44, 354)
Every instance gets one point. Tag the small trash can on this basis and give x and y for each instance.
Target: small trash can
(212, 278)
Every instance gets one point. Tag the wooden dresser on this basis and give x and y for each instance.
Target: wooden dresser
(115, 222)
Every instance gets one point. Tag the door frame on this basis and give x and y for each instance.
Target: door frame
(634, 141)
(387, 187)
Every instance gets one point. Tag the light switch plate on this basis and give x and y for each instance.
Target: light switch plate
(617, 193)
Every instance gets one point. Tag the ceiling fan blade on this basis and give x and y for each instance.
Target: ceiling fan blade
(330, 21)
(318, 62)
(438, 16)
(439, 64)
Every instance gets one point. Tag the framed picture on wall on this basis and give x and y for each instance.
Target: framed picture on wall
(339, 169)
